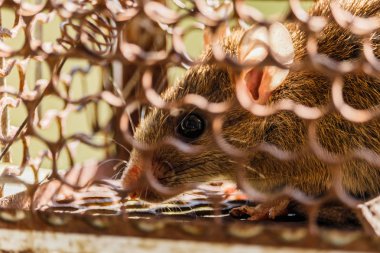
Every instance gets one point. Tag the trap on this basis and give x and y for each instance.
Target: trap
(78, 77)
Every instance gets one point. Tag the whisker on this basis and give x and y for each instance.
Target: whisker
(176, 182)
(116, 142)
(112, 160)
(120, 162)
(177, 172)
(188, 113)
(131, 122)
(237, 140)
(120, 145)
(146, 192)
(164, 119)
(117, 175)
(249, 168)
(142, 112)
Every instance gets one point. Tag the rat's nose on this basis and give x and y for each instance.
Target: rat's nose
(137, 188)
(131, 176)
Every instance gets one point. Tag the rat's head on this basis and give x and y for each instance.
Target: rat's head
(173, 168)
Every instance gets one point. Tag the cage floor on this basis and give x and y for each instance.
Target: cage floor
(97, 216)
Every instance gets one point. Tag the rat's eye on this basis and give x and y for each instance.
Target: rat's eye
(191, 126)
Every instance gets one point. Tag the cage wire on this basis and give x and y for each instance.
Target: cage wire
(77, 77)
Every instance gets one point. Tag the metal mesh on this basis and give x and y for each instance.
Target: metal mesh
(71, 100)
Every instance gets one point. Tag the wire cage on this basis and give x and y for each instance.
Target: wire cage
(258, 120)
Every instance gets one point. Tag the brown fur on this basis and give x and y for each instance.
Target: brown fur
(284, 129)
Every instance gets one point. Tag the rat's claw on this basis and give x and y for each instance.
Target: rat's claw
(264, 211)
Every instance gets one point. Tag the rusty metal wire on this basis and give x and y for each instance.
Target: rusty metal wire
(132, 45)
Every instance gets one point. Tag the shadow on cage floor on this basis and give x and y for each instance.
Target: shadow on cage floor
(196, 204)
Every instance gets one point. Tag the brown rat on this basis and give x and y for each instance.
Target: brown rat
(284, 129)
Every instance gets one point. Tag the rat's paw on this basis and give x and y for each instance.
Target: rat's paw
(264, 211)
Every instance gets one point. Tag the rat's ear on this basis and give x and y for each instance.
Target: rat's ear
(207, 37)
(253, 49)
(222, 31)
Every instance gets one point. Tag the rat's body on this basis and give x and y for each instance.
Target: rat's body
(283, 129)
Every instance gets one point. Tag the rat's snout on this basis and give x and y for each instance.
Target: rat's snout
(132, 181)
(135, 180)
(131, 177)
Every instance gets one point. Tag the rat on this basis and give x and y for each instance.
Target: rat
(284, 129)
